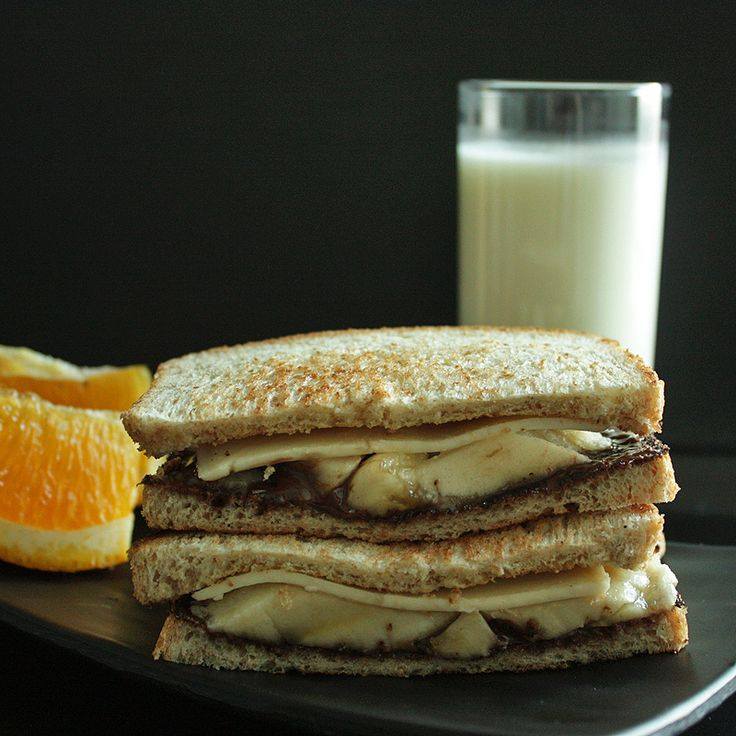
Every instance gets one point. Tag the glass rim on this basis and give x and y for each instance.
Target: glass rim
(511, 85)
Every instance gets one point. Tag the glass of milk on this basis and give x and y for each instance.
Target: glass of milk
(561, 206)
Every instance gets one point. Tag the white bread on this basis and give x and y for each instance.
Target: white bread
(649, 482)
(392, 378)
(188, 643)
(170, 566)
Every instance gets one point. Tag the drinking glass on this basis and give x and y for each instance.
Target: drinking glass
(561, 204)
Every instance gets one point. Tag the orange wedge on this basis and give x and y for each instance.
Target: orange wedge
(56, 380)
(68, 480)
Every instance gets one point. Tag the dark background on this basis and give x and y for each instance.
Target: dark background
(176, 176)
(179, 176)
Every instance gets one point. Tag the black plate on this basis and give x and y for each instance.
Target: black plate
(95, 615)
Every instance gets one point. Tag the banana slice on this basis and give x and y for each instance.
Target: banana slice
(288, 614)
(396, 482)
(468, 636)
(331, 472)
(388, 482)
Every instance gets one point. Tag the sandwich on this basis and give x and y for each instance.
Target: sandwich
(388, 435)
(407, 501)
(560, 590)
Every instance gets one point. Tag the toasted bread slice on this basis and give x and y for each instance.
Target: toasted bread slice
(650, 482)
(170, 566)
(392, 378)
(186, 642)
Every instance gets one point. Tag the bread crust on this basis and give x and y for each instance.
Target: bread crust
(185, 642)
(392, 378)
(169, 566)
(649, 482)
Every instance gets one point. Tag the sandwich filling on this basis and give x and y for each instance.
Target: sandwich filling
(280, 607)
(374, 473)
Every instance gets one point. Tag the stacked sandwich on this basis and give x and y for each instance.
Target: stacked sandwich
(407, 501)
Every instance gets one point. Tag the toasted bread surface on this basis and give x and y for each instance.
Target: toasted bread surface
(650, 482)
(392, 378)
(172, 565)
(185, 642)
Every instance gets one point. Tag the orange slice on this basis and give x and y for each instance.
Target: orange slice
(91, 548)
(106, 387)
(68, 480)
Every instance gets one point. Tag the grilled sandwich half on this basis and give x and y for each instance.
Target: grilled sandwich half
(400, 434)
(560, 590)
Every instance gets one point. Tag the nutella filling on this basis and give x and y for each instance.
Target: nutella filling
(294, 484)
(314, 613)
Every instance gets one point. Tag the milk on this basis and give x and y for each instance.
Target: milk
(562, 235)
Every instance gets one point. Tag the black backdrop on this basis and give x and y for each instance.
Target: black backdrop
(178, 176)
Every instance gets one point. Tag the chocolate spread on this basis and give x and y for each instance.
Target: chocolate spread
(507, 633)
(291, 484)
